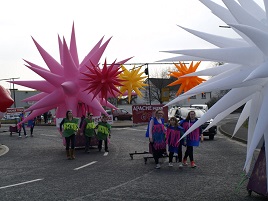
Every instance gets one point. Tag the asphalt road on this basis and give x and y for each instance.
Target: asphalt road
(36, 169)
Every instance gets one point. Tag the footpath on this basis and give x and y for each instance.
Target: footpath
(228, 130)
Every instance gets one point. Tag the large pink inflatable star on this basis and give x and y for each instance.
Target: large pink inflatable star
(64, 83)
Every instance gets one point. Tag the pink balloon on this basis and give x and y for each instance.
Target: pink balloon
(5, 100)
(65, 86)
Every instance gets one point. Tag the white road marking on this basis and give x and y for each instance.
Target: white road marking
(51, 135)
(112, 188)
(133, 129)
(26, 182)
(6, 150)
(106, 154)
(86, 165)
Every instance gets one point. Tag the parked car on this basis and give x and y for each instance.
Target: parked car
(11, 116)
(200, 106)
(120, 114)
(182, 112)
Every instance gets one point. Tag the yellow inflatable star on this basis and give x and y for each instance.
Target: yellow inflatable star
(132, 81)
(186, 83)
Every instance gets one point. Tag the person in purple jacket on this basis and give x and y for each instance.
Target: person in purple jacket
(192, 139)
(173, 135)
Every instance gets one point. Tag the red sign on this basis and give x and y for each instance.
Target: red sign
(15, 110)
(143, 113)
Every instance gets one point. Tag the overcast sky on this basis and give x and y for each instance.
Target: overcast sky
(140, 28)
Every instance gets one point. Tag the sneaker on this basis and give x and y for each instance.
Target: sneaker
(19, 136)
(193, 165)
(157, 166)
(170, 165)
(180, 165)
(31, 135)
(105, 153)
(184, 162)
(26, 135)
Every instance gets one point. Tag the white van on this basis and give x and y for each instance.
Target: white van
(200, 106)
(11, 116)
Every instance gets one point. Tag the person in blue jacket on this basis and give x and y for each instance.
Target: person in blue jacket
(31, 124)
(22, 126)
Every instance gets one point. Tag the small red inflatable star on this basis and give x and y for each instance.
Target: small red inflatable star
(103, 81)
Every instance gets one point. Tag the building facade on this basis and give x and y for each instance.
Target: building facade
(154, 92)
(19, 96)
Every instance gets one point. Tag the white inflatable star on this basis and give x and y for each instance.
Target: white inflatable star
(245, 71)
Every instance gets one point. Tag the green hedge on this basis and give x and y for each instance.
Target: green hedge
(10, 121)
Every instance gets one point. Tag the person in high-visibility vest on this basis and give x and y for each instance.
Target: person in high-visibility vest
(70, 129)
(88, 129)
(104, 132)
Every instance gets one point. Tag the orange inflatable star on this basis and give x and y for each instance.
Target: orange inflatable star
(186, 83)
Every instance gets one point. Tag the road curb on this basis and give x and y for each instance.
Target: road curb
(122, 126)
(230, 136)
(127, 125)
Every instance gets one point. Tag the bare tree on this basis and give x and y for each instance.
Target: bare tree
(158, 80)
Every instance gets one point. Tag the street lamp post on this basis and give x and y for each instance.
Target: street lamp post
(147, 73)
(13, 88)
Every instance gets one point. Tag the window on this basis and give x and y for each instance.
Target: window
(124, 112)
(193, 97)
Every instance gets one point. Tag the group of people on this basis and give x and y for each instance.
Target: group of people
(161, 135)
(30, 124)
(69, 128)
(47, 117)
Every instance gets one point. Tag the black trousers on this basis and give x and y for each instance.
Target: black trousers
(105, 144)
(31, 129)
(156, 153)
(24, 130)
(171, 154)
(88, 140)
(189, 152)
(69, 140)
